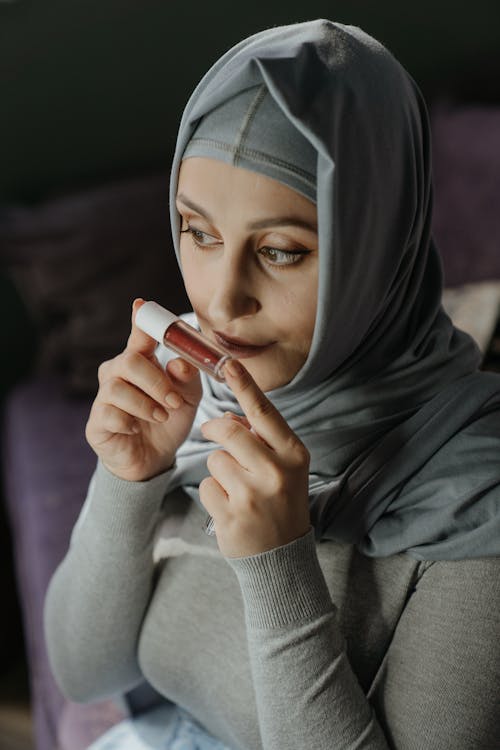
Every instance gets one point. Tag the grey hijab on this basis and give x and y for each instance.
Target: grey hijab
(402, 429)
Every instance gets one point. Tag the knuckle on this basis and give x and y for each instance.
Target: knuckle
(248, 501)
(88, 431)
(216, 459)
(276, 479)
(113, 387)
(232, 429)
(159, 385)
(298, 453)
(206, 487)
(262, 407)
(130, 359)
(107, 413)
(211, 460)
(204, 484)
(103, 371)
(145, 405)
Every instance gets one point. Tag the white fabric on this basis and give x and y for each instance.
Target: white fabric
(162, 728)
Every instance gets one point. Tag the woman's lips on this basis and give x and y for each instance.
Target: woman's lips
(239, 347)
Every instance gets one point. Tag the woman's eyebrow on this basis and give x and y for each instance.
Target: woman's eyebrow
(273, 221)
(194, 206)
(282, 221)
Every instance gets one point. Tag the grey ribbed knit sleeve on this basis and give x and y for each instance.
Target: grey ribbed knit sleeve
(435, 684)
(307, 694)
(102, 588)
(437, 687)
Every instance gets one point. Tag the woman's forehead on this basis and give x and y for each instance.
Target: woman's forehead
(209, 183)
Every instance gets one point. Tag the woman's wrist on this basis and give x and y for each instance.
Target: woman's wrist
(120, 509)
(139, 475)
(283, 585)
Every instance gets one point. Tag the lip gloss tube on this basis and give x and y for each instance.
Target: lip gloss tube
(168, 329)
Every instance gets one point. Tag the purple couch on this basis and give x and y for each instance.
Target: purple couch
(78, 261)
(47, 468)
(46, 461)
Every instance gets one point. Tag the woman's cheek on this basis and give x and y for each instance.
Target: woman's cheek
(195, 278)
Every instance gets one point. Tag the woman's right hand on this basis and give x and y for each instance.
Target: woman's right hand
(142, 413)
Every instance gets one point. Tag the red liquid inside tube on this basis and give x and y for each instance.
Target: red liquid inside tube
(195, 348)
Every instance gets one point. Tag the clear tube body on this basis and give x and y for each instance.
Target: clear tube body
(202, 353)
(185, 340)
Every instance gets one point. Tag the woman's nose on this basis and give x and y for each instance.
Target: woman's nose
(233, 293)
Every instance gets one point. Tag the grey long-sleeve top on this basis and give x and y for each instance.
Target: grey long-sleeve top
(305, 646)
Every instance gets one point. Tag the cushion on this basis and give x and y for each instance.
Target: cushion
(466, 225)
(46, 467)
(78, 262)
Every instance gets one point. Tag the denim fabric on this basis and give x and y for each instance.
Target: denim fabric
(163, 728)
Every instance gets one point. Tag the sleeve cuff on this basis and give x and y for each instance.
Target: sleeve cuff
(120, 509)
(283, 586)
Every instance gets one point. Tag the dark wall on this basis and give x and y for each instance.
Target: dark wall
(92, 89)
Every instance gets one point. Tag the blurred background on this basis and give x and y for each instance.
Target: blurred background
(91, 93)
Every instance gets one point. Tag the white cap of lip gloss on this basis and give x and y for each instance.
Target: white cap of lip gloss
(154, 320)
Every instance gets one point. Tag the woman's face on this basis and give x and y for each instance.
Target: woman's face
(249, 255)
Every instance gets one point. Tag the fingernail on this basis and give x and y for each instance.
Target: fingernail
(234, 368)
(181, 366)
(160, 415)
(173, 400)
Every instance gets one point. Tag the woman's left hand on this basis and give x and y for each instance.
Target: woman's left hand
(257, 493)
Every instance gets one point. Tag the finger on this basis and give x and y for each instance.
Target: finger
(180, 371)
(212, 497)
(243, 421)
(144, 374)
(125, 396)
(110, 421)
(138, 341)
(227, 472)
(260, 412)
(244, 446)
(238, 418)
(185, 378)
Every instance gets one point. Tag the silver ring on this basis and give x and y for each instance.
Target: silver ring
(209, 526)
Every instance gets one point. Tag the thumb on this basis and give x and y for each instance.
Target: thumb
(138, 341)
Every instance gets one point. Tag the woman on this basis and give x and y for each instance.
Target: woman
(350, 461)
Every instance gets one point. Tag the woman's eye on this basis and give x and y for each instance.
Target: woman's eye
(272, 255)
(202, 239)
(282, 257)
